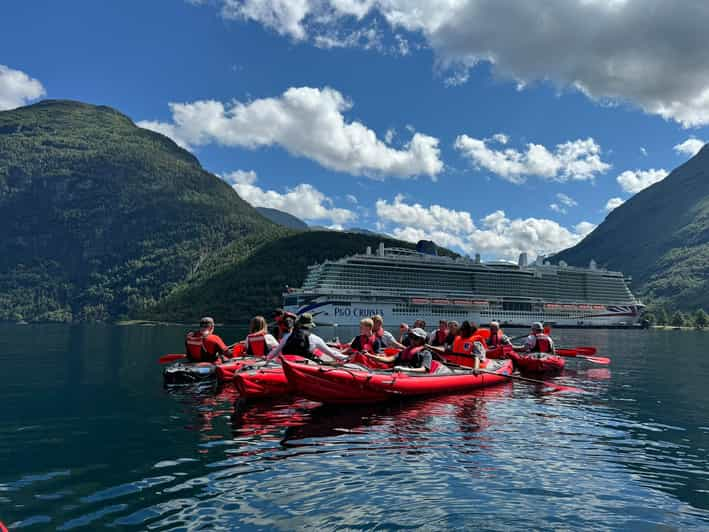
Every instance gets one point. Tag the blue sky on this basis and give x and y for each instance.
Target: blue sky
(489, 127)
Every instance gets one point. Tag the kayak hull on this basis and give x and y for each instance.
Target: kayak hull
(263, 382)
(539, 363)
(187, 373)
(350, 386)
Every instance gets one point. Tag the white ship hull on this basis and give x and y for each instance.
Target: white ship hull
(327, 310)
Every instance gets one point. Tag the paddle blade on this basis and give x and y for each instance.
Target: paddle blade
(239, 349)
(170, 358)
(598, 360)
(391, 351)
(483, 333)
(586, 350)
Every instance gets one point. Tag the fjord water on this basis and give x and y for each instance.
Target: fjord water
(90, 439)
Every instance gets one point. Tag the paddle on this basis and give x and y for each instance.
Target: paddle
(547, 331)
(557, 387)
(575, 354)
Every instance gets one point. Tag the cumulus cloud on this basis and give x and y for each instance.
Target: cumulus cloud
(303, 201)
(576, 160)
(690, 147)
(563, 203)
(495, 236)
(17, 88)
(606, 49)
(613, 203)
(307, 122)
(633, 181)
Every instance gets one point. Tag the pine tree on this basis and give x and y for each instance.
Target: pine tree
(678, 319)
(662, 318)
(701, 319)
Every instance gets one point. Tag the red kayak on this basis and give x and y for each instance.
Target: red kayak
(266, 381)
(328, 384)
(539, 363)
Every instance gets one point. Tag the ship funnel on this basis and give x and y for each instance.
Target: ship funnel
(592, 265)
(369, 250)
(380, 251)
(522, 262)
(477, 258)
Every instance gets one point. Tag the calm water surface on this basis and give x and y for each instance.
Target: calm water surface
(89, 439)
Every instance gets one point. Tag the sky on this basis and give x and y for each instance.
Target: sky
(488, 126)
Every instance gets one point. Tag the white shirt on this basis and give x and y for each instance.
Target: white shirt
(387, 339)
(316, 344)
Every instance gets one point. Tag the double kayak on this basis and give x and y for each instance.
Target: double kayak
(265, 381)
(185, 373)
(539, 363)
(355, 384)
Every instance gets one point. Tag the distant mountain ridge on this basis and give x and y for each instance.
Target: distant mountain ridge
(282, 218)
(660, 237)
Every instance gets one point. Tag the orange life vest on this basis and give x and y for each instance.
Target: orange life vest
(464, 346)
(256, 344)
(543, 343)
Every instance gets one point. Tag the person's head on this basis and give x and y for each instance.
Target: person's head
(378, 322)
(442, 325)
(537, 327)
(365, 326)
(453, 327)
(418, 336)
(466, 331)
(206, 326)
(305, 321)
(494, 327)
(422, 324)
(403, 328)
(257, 325)
(278, 315)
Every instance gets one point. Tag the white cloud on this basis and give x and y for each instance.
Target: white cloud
(563, 203)
(501, 138)
(690, 147)
(633, 181)
(497, 236)
(308, 122)
(576, 160)
(303, 201)
(613, 203)
(606, 49)
(352, 199)
(643, 151)
(17, 88)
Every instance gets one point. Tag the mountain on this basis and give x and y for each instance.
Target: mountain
(256, 284)
(102, 218)
(282, 218)
(660, 237)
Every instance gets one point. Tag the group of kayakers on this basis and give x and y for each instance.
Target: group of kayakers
(414, 351)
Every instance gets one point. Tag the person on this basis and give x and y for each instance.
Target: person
(438, 337)
(386, 339)
(453, 328)
(404, 334)
(203, 345)
(497, 337)
(537, 341)
(300, 341)
(467, 342)
(259, 342)
(280, 325)
(366, 341)
(416, 358)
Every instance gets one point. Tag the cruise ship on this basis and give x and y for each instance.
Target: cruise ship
(404, 285)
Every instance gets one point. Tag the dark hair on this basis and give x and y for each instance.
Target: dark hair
(278, 312)
(465, 330)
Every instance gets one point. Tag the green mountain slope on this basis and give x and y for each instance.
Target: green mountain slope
(660, 237)
(255, 285)
(102, 218)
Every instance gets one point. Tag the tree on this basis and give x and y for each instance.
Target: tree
(650, 318)
(701, 319)
(662, 318)
(678, 319)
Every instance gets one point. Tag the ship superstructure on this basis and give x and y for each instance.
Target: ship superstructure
(403, 285)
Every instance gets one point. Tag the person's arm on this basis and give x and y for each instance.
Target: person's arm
(551, 344)
(391, 341)
(318, 343)
(383, 358)
(425, 359)
(271, 342)
(278, 349)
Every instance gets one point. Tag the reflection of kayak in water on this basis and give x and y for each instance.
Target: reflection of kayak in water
(348, 385)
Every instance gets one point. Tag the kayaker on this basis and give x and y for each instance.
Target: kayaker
(203, 345)
(300, 341)
(497, 337)
(438, 337)
(385, 337)
(453, 329)
(404, 334)
(537, 341)
(259, 342)
(366, 341)
(280, 326)
(416, 358)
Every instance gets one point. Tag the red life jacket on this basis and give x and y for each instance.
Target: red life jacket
(408, 354)
(543, 344)
(496, 339)
(194, 346)
(366, 343)
(256, 344)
